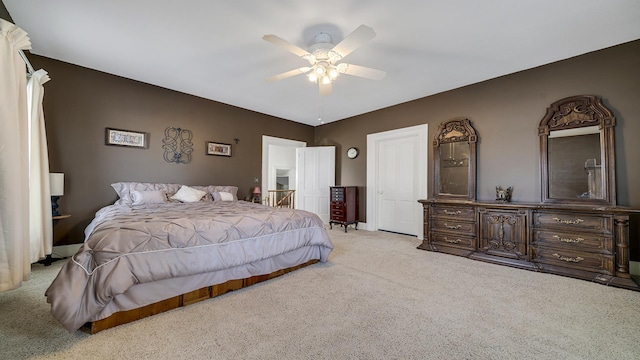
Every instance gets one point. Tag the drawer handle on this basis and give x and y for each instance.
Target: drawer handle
(568, 222)
(458, 212)
(568, 240)
(456, 227)
(456, 241)
(568, 259)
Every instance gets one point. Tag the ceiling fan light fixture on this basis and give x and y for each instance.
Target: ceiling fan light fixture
(320, 70)
(313, 77)
(333, 73)
(326, 80)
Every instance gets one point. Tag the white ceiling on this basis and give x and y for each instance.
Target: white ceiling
(214, 49)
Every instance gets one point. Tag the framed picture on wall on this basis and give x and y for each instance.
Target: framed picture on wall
(119, 137)
(219, 149)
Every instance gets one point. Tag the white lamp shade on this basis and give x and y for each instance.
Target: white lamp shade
(56, 184)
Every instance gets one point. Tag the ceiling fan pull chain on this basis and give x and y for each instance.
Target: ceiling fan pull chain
(320, 107)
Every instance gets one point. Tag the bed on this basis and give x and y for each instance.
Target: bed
(155, 249)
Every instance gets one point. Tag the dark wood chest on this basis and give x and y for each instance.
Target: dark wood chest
(344, 206)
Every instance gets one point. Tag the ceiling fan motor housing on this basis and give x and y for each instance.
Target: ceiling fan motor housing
(321, 49)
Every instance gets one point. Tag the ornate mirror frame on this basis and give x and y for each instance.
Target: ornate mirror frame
(457, 131)
(577, 112)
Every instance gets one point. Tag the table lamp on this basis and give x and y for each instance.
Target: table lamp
(256, 193)
(56, 185)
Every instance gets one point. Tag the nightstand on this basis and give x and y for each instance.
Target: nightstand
(50, 259)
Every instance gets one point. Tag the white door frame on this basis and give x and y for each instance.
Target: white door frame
(270, 140)
(422, 132)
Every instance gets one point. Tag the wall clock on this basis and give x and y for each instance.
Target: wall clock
(352, 153)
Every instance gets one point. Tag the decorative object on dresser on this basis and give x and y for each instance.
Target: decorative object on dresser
(56, 185)
(177, 145)
(576, 230)
(344, 206)
(455, 160)
(503, 195)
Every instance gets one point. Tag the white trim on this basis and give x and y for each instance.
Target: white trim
(422, 132)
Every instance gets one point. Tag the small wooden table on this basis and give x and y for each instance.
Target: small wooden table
(50, 259)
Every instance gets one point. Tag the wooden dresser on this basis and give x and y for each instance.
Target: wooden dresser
(585, 242)
(344, 206)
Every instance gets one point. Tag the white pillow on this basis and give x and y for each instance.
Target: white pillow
(187, 194)
(225, 196)
(148, 197)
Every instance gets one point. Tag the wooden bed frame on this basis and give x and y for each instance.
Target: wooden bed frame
(189, 298)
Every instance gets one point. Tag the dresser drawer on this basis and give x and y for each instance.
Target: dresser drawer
(337, 212)
(461, 241)
(573, 221)
(593, 262)
(456, 212)
(337, 194)
(454, 226)
(586, 242)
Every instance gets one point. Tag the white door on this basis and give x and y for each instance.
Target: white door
(397, 185)
(397, 179)
(316, 172)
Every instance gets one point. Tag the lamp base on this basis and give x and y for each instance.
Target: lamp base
(54, 206)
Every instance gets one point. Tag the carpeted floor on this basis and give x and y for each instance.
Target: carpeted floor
(378, 297)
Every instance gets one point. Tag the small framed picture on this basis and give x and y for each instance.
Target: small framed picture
(119, 137)
(220, 149)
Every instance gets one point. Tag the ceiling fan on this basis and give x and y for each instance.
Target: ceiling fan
(324, 58)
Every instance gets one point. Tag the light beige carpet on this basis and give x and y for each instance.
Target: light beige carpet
(378, 297)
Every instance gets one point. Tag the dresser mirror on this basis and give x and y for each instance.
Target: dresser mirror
(577, 152)
(455, 160)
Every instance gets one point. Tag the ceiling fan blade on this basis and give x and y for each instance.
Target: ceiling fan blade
(358, 37)
(278, 41)
(289, 74)
(325, 89)
(361, 71)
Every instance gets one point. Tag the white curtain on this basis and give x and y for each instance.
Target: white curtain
(40, 223)
(15, 262)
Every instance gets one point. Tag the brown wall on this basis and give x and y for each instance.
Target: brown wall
(506, 112)
(80, 103)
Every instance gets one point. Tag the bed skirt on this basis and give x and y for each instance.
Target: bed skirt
(124, 317)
